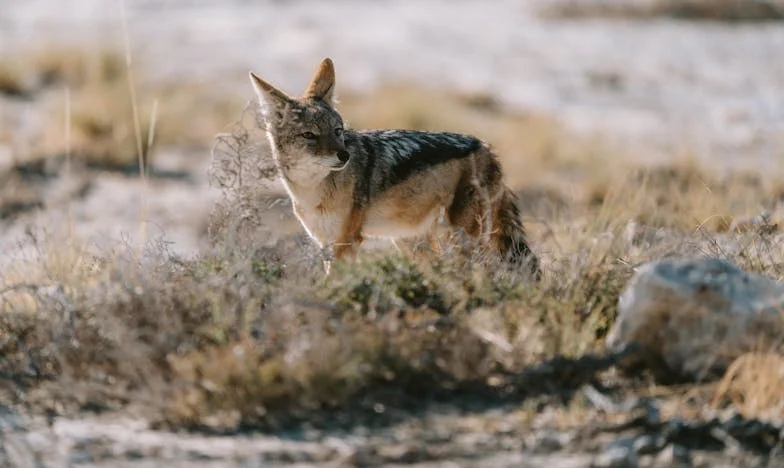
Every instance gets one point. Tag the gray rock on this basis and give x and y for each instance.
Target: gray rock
(693, 317)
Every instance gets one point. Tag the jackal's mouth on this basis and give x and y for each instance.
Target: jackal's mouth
(339, 167)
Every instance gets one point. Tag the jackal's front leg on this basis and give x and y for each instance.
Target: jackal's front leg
(351, 235)
(347, 248)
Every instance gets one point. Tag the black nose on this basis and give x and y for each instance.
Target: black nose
(343, 156)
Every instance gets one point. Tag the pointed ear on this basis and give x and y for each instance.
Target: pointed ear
(270, 97)
(322, 85)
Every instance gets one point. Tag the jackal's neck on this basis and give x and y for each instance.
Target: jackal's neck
(301, 171)
(305, 181)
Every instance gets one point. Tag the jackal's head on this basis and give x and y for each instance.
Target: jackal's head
(306, 132)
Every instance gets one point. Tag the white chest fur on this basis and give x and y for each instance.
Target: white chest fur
(323, 226)
(303, 179)
(309, 202)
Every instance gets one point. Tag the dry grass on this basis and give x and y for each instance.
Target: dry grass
(11, 82)
(100, 115)
(713, 10)
(617, 217)
(263, 344)
(753, 385)
(251, 335)
(67, 103)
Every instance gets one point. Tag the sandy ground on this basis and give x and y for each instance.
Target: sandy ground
(491, 439)
(657, 89)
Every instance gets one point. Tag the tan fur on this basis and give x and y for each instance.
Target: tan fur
(346, 185)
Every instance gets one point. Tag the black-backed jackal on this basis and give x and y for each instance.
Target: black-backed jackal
(346, 184)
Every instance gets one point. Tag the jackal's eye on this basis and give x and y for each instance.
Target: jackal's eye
(309, 136)
(338, 131)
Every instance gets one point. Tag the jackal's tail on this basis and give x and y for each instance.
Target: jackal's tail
(510, 236)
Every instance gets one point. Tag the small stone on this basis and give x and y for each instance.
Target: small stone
(648, 443)
(676, 456)
(619, 454)
(548, 442)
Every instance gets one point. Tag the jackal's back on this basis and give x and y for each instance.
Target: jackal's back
(386, 158)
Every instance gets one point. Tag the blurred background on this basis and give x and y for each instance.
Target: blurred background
(566, 90)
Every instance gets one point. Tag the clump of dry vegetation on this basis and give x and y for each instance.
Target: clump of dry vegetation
(714, 10)
(242, 341)
(251, 336)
